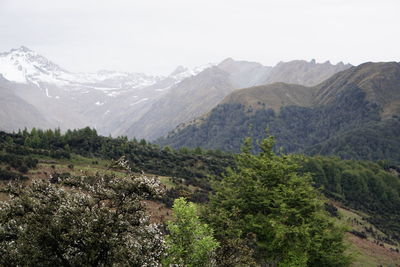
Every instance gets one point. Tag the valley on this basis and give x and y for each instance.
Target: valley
(199, 133)
(335, 126)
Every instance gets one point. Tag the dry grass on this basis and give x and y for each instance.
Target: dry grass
(273, 96)
(367, 253)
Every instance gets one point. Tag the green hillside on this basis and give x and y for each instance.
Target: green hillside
(353, 115)
(362, 195)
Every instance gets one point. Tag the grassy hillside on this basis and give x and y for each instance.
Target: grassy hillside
(364, 186)
(273, 96)
(379, 81)
(366, 248)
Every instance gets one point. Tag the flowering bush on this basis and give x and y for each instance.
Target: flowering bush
(80, 221)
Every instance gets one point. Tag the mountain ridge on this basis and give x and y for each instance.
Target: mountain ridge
(354, 114)
(232, 76)
(75, 100)
(133, 104)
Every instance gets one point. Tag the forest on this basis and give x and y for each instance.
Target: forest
(293, 192)
(349, 127)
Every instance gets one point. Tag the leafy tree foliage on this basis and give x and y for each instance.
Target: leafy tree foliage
(6, 175)
(190, 242)
(19, 163)
(189, 164)
(84, 221)
(361, 185)
(268, 203)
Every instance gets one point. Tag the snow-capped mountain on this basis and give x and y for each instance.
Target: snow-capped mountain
(104, 99)
(181, 72)
(119, 79)
(23, 65)
(130, 104)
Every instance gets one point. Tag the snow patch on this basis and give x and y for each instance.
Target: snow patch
(47, 93)
(139, 101)
(10, 70)
(105, 88)
(114, 94)
(163, 89)
(182, 73)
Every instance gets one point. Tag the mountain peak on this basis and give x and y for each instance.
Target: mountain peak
(22, 49)
(178, 70)
(378, 80)
(226, 62)
(23, 65)
(181, 73)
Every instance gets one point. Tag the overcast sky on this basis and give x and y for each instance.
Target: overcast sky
(154, 36)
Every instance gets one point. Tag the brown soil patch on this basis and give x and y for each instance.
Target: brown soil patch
(375, 250)
(158, 212)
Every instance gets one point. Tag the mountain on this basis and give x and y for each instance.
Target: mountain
(15, 111)
(379, 81)
(135, 104)
(303, 72)
(188, 99)
(353, 114)
(130, 108)
(104, 100)
(199, 94)
(25, 66)
(272, 96)
(244, 73)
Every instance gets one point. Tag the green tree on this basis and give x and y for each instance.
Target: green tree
(266, 200)
(168, 149)
(190, 242)
(198, 150)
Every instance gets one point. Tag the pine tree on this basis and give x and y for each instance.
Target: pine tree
(267, 204)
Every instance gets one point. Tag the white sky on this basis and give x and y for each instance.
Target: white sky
(154, 36)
